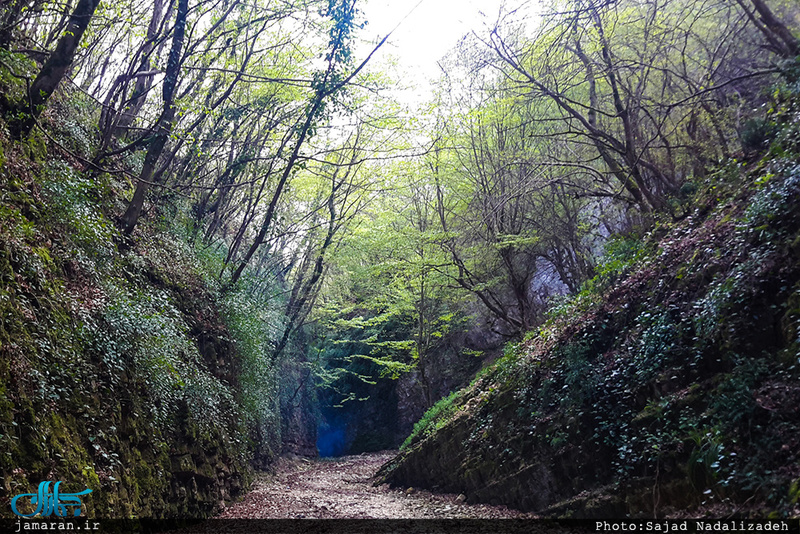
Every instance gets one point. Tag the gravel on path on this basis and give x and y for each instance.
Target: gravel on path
(342, 488)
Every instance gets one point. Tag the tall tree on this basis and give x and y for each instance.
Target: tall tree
(629, 81)
(326, 84)
(778, 35)
(165, 123)
(55, 68)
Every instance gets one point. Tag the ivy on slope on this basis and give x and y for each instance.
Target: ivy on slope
(669, 385)
(117, 370)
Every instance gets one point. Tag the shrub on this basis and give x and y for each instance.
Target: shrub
(756, 134)
(435, 418)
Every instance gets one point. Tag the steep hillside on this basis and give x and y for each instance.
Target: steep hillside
(669, 385)
(117, 372)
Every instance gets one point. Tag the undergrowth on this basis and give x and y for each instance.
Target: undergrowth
(433, 419)
(135, 354)
(677, 363)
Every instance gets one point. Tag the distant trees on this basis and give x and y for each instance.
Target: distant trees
(779, 37)
(507, 218)
(546, 144)
(646, 85)
(340, 202)
(595, 121)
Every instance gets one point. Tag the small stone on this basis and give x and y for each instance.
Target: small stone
(461, 498)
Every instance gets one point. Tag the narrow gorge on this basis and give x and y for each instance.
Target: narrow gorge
(358, 260)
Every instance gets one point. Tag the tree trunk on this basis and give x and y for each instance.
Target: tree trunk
(165, 123)
(287, 171)
(144, 82)
(56, 66)
(777, 34)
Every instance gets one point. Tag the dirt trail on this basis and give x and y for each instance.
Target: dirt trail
(341, 488)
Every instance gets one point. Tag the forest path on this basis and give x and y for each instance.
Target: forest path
(341, 488)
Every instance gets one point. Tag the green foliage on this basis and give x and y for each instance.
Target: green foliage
(435, 418)
(252, 312)
(565, 306)
(621, 253)
(654, 347)
(713, 307)
(773, 202)
(706, 459)
(146, 329)
(343, 15)
(756, 134)
(783, 111)
(733, 405)
(73, 201)
(362, 350)
(12, 65)
(576, 374)
(75, 125)
(506, 364)
(255, 323)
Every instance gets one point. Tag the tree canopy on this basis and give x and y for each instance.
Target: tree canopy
(284, 150)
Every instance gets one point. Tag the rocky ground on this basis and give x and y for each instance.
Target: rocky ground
(342, 488)
(337, 496)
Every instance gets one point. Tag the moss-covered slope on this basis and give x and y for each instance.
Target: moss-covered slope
(671, 385)
(117, 373)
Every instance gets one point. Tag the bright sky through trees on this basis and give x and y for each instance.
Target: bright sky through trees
(427, 30)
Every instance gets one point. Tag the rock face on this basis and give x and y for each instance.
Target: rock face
(674, 389)
(387, 411)
(299, 410)
(366, 423)
(447, 369)
(454, 461)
